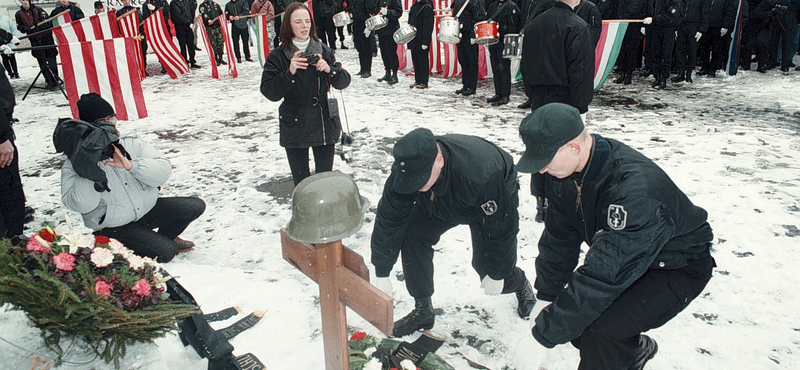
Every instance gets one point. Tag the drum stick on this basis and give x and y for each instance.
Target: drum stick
(623, 20)
(462, 8)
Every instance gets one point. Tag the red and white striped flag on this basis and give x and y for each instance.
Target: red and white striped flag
(229, 45)
(203, 35)
(106, 67)
(262, 38)
(484, 64)
(96, 27)
(129, 27)
(451, 67)
(159, 39)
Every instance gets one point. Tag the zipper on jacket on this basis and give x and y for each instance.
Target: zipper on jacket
(579, 206)
(322, 115)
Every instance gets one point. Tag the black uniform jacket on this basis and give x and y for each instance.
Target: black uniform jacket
(632, 216)
(632, 9)
(668, 13)
(75, 12)
(589, 12)
(181, 12)
(303, 115)
(394, 10)
(478, 185)
(509, 19)
(421, 17)
(210, 11)
(474, 12)
(723, 13)
(558, 59)
(697, 12)
(359, 10)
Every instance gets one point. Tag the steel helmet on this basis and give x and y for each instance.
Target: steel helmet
(326, 207)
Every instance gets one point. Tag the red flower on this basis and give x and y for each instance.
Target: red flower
(64, 261)
(47, 235)
(99, 240)
(359, 335)
(102, 288)
(142, 288)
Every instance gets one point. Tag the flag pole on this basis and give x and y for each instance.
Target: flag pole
(623, 20)
(41, 23)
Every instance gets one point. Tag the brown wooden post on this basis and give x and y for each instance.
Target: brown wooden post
(334, 315)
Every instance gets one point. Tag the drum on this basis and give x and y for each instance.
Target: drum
(512, 46)
(404, 34)
(342, 19)
(487, 33)
(449, 30)
(376, 22)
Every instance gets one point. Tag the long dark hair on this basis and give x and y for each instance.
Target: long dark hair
(286, 26)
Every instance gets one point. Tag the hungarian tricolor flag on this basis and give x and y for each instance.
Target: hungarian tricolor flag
(732, 65)
(107, 67)
(96, 27)
(607, 50)
(161, 42)
(262, 38)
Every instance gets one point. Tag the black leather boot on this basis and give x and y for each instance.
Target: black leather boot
(421, 318)
(392, 78)
(647, 350)
(620, 78)
(626, 80)
(656, 82)
(525, 300)
(385, 76)
(679, 78)
(689, 76)
(662, 83)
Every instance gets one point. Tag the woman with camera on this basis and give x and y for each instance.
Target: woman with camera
(301, 72)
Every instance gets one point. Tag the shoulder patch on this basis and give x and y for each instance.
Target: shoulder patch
(617, 217)
(674, 10)
(489, 208)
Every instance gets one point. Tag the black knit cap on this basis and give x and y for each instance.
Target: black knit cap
(92, 107)
(544, 131)
(98, 4)
(414, 155)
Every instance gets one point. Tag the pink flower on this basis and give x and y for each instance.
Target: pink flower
(142, 288)
(102, 288)
(64, 261)
(102, 257)
(359, 335)
(37, 247)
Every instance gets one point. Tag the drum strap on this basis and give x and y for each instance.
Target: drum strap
(497, 12)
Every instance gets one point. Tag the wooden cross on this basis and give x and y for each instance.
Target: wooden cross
(343, 280)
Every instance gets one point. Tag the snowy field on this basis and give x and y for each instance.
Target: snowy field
(731, 143)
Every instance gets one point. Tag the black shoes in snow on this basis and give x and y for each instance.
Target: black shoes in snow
(525, 300)
(421, 318)
(647, 350)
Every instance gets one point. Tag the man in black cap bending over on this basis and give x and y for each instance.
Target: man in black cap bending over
(648, 253)
(437, 183)
(114, 184)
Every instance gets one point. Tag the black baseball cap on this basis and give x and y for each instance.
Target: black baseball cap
(544, 131)
(414, 155)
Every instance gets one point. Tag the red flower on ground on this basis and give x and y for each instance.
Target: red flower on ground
(64, 261)
(36, 247)
(102, 288)
(142, 288)
(99, 239)
(359, 335)
(47, 235)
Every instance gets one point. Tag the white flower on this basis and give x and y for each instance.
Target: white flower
(408, 365)
(76, 240)
(373, 364)
(369, 351)
(102, 257)
(62, 229)
(118, 248)
(136, 262)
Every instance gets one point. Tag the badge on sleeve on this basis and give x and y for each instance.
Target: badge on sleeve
(489, 208)
(617, 217)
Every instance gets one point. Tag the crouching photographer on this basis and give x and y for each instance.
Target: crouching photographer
(114, 183)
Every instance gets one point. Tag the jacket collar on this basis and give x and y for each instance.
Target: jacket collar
(601, 149)
(559, 4)
(314, 47)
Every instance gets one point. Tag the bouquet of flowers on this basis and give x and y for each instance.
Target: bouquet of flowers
(68, 283)
(367, 353)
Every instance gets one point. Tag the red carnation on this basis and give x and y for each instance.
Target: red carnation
(100, 240)
(46, 235)
(359, 335)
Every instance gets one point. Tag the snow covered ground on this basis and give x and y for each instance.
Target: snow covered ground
(731, 143)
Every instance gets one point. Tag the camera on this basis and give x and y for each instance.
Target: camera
(108, 151)
(311, 58)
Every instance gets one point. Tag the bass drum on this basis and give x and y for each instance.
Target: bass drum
(512, 46)
(342, 19)
(376, 22)
(487, 33)
(404, 34)
(449, 30)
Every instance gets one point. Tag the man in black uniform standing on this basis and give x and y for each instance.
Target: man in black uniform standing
(694, 26)
(474, 11)
(182, 13)
(12, 198)
(437, 183)
(508, 16)
(667, 16)
(649, 246)
(360, 39)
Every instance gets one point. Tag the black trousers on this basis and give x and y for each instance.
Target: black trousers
(362, 46)
(662, 41)
(611, 341)
(424, 231)
(501, 69)
(243, 34)
(170, 215)
(713, 49)
(762, 47)
(468, 59)
(340, 31)
(10, 64)
(326, 30)
(49, 69)
(277, 38)
(686, 47)
(629, 50)
(388, 51)
(12, 199)
(783, 34)
(298, 161)
(422, 65)
(186, 41)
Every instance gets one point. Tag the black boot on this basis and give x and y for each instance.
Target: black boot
(626, 80)
(541, 208)
(386, 76)
(689, 76)
(392, 77)
(662, 83)
(647, 350)
(646, 73)
(525, 300)
(679, 78)
(420, 318)
(656, 82)
(620, 78)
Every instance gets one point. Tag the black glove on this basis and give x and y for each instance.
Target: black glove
(24, 29)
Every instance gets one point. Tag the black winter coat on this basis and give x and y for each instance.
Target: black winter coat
(632, 9)
(698, 12)
(303, 116)
(324, 8)
(359, 10)
(761, 17)
(476, 173)
(158, 4)
(723, 13)
(421, 17)
(210, 11)
(181, 12)
(589, 12)
(509, 19)
(632, 216)
(75, 12)
(608, 8)
(27, 20)
(237, 8)
(474, 12)
(558, 59)
(394, 10)
(667, 13)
